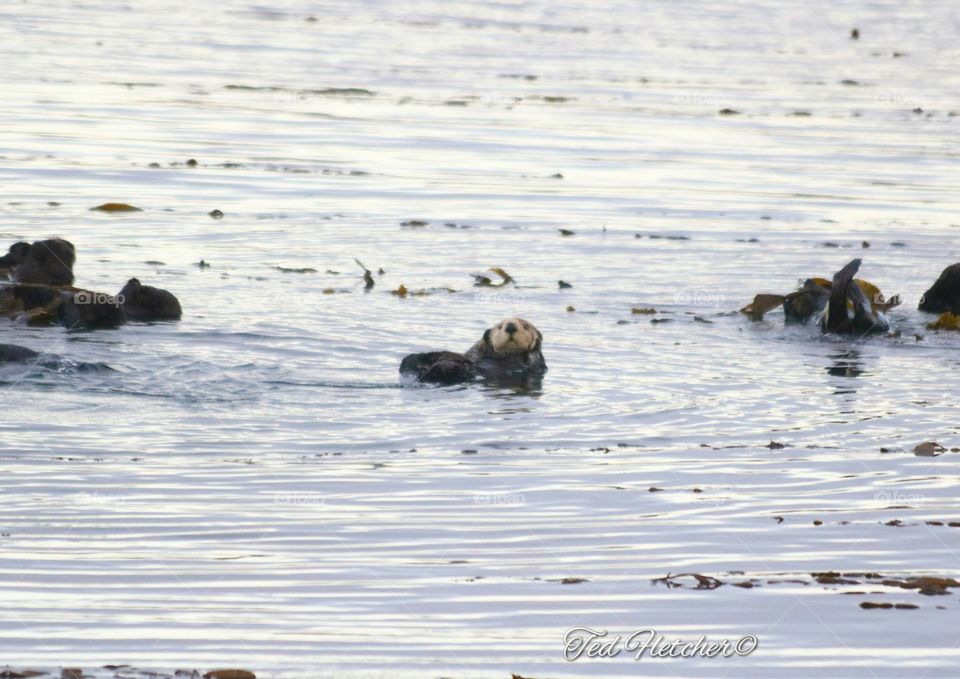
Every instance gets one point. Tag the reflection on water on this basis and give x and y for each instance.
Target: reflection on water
(668, 160)
(846, 364)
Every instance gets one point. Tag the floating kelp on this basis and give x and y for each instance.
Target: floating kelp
(116, 207)
(485, 281)
(947, 321)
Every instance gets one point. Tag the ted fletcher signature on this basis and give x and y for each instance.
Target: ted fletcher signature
(584, 642)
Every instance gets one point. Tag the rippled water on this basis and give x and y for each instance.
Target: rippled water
(255, 486)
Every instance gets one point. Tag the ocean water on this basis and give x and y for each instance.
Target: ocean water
(254, 486)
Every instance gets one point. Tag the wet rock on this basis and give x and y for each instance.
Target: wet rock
(229, 674)
(215, 214)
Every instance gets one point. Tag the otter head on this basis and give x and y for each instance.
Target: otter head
(131, 289)
(15, 256)
(513, 336)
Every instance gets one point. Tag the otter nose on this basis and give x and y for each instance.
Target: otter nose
(511, 328)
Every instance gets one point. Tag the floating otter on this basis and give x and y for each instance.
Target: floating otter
(71, 307)
(815, 299)
(11, 353)
(510, 349)
(76, 308)
(47, 262)
(145, 303)
(944, 294)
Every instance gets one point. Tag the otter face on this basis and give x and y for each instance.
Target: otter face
(15, 256)
(513, 336)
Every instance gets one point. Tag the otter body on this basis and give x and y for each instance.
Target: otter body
(70, 307)
(11, 353)
(145, 303)
(46, 262)
(75, 308)
(509, 350)
(944, 294)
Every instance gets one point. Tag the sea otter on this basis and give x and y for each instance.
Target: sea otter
(509, 350)
(11, 353)
(812, 303)
(145, 303)
(47, 262)
(71, 307)
(944, 294)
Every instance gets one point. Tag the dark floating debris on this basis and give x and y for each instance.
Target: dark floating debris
(728, 112)
(327, 91)
(202, 265)
(191, 163)
(284, 269)
(855, 34)
(367, 276)
(566, 232)
(563, 285)
(657, 236)
(929, 449)
(868, 605)
(116, 207)
(703, 581)
(485, 281)
(229, 674)
(215, 214)
(414, 224)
